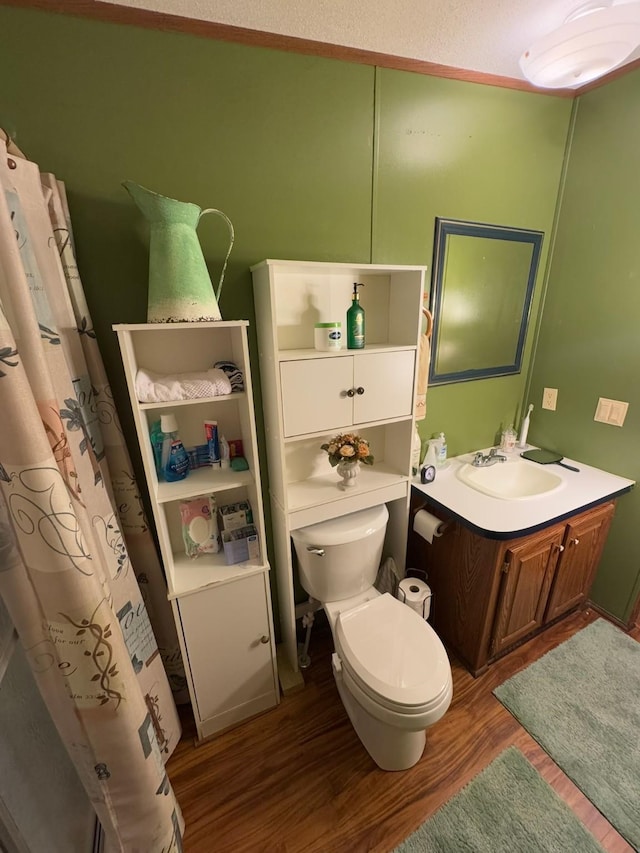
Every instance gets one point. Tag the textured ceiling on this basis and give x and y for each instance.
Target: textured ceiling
(485, 36)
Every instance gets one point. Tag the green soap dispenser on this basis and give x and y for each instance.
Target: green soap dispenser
(355, 321)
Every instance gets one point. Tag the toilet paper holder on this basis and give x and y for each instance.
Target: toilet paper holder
(415, 594)
(444, 526)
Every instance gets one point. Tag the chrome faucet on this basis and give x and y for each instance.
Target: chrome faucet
(481, 461)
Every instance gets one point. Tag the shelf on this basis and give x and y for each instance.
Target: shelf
(301, 354)
(194, 401)
(328, 268)
(203, 481)
(188, 576)
(326, 488)
(351, 427)
(306, 399)
(172, 327)
(222, 612)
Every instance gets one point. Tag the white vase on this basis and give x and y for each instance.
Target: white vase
(348, 471)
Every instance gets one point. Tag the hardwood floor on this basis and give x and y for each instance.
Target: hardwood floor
(297, 778)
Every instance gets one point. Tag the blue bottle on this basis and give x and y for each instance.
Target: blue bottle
(174, 461)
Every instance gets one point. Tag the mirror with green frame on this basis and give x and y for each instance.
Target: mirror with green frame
(482, 286)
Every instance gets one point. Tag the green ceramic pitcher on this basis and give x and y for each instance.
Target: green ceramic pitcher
(180, 289)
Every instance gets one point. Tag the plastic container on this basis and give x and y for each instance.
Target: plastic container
(155, 434)
(327, 336)
(225, 456)
(508, 440)
(441, 451)
(416, 452)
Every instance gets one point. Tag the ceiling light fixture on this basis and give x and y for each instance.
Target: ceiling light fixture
(592, 41)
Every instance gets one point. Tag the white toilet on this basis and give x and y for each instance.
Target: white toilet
(392, 671)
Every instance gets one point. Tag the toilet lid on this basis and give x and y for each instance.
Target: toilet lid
(393, 653)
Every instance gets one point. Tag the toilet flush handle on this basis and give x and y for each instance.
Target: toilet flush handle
(313, 550)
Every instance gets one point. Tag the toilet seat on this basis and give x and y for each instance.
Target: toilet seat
(394, 656)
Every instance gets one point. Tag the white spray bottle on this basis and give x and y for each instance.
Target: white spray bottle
(524, 428)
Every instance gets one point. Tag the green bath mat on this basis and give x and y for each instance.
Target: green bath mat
(507, 808)
(581, 702)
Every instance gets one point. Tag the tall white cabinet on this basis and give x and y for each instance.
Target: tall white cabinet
(222, 612)
(309, 396)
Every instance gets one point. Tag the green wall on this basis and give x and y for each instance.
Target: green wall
(465, 151)
(589, 335)
(310, 158)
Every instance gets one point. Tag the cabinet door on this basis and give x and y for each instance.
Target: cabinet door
(315, 394)
(329, 393)
(384, 386)
(528, 571)
(227, 634)
(583, 544)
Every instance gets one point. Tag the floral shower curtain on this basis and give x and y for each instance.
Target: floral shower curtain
(65, 569)
(98, 406)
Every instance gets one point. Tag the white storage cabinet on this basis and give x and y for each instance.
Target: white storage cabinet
(309, 396)
(222, 612)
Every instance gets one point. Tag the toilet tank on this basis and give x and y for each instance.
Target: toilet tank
(340, 558)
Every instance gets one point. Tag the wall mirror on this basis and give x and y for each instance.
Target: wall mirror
(482, 285)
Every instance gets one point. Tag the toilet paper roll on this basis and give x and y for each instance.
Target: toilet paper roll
(427, 525)
(415, 594)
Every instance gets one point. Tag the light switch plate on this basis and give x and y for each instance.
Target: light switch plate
(550, 398)
(611, 411)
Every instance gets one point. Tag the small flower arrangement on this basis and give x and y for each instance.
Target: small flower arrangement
(348, 448)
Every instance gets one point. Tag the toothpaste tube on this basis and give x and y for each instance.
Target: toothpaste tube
(211, 434)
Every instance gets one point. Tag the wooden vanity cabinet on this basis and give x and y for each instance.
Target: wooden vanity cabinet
(489, 594)
(582, 548)
(527, 573)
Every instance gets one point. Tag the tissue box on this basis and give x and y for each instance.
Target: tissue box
(241, 545)
(233, 516)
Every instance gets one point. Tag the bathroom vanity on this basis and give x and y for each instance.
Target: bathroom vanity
(503, 570)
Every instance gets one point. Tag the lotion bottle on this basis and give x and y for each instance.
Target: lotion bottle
(355, 321)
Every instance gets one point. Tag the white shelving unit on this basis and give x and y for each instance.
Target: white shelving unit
(222, 612)
(309, 396)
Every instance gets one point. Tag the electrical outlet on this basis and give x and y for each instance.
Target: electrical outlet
(550, 398)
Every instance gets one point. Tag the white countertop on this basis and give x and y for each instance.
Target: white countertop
(506, 519)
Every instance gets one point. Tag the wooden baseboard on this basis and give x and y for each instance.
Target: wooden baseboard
(610, 618)
(290, 681)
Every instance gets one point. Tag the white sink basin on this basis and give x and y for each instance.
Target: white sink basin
(515, 479)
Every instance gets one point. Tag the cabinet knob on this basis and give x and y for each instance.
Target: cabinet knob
(264, 639)
(351, 392)
(575, 541)
(360, 390)
(560, 548)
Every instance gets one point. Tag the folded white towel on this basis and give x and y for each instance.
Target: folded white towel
(154, 388)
